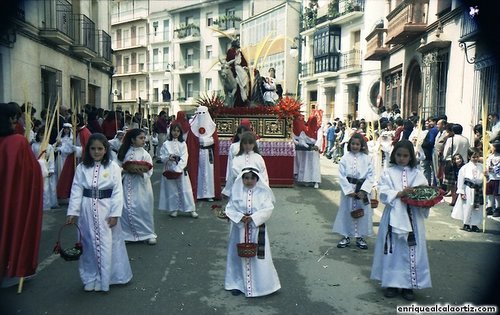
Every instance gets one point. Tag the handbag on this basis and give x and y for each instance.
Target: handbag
(72, 253)
(172, 174)
(247, 249)
(358, 213)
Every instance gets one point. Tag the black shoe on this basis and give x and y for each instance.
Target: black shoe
(236, 292)
(390, 292)
(344, 242)
(466, 228)
(496, 213)
(408, 294)
(361, 243)
(474, 228)
(489, 211)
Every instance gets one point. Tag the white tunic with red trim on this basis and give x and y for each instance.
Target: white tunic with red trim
(104, 257)
(252, 276)
(407, 266)
(137, 218)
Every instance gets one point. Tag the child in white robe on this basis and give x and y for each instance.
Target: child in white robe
(251, 203)
(356, 177)
(233, 151)
(97, 201)
(47, 164)
(248, 155)
(137, 218)
(400, 257)
(470, 190)
(176, 195)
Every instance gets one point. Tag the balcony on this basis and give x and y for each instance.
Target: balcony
(103, 49)
(129, 16)
(345, 11)
(187, 34)
(407, 21)
(375, 48)
(332, 64)
(130, 43)
(469, 29)
(85, 38)
(57, 25)
(187, 67)
(130, 70)
(227, 25)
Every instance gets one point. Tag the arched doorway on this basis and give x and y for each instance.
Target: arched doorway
(413, 89)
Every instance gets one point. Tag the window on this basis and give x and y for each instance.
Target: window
(141, 62)
(155, 95)
(392, 83)
(210, 19)
(189, 57)
(208, 84)
(141, 40)
(208, 51)
(326, 50)
(230, 23)
(166, 53)
(189, 20)
(166, 29)
(142, 89)
(126, 91)
(155, 59)
(126, 62)
(189, 88)
(126, 38)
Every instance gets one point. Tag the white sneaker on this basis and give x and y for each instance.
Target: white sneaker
(173, 214)
(194, 214)
(316, 185)
(89, 287)
(97, 286)
(152, 241)
(210, 199)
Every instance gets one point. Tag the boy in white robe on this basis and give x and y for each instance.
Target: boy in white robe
(468, 207)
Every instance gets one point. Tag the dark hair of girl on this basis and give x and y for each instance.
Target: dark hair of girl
(39, 135)
(240, 129)
(473, 151)
(8, 111)
(178, 127)
(88, 161)
(127, 142)
(364, 146)
(248, 137)
(405, 144)
(252, 173)
(457, 155)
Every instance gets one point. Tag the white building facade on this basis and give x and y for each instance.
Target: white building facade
(57, 50)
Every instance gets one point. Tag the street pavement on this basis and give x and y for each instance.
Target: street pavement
(184, 272)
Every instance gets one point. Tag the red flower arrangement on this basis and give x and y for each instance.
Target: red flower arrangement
(287, 107)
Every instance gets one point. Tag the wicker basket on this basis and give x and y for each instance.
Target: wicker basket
(72, 253)
(137, 167)
(247, 249)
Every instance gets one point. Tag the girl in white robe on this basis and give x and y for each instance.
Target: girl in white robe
(356, 178)
(400, 257)
(97, 200)
(176, 194)
(470, 189)
(137, 218)
(252, 203)
(47, 163)
(233, 151)
(64, 146)
(248, 155)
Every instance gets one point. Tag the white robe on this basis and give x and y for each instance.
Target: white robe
(359, 166)
(407, 266)
(306, 163)
(104, 257)
(233, 150)
(137, 218)
(464, 209)
(252, 276)
(205, 187)
(175, 194)
(47, 162)
(245, 160)
(65, 149)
